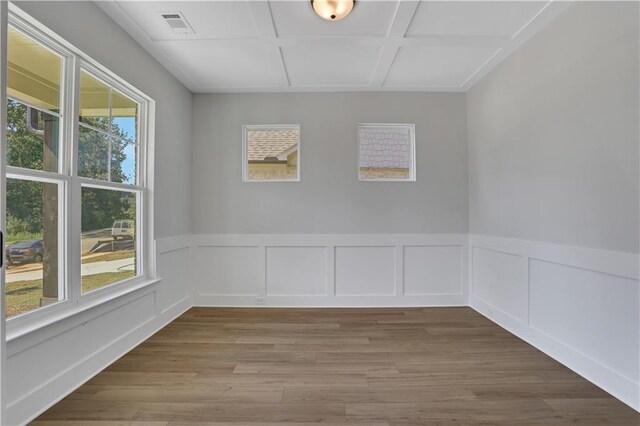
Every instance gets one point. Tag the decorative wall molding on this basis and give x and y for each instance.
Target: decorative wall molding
(559, 299)
(330, 270)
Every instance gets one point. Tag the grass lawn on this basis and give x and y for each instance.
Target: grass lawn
(24, 296)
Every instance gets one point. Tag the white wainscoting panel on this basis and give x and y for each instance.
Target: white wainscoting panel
(592, 312)
(172, 269)
(366, 271)
(499, 279)
(432, 270)
(578, 305)
(287, 267)
(230, 270)
(330, 270)
(47, 364)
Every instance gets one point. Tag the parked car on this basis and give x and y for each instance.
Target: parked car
(24, 252)
(125, 229)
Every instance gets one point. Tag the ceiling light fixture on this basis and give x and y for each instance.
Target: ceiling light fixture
(332, 10)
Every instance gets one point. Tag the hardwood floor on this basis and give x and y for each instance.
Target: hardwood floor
(434, 366)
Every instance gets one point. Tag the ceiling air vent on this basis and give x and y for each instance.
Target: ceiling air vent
(177, 23)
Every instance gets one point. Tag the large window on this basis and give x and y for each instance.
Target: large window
(76, 177)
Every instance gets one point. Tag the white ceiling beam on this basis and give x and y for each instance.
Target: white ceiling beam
(338, 41)
(303, 89)
(266, 28)
(455, 41)
(399, 27)
(402, 19)
(385, 62)
(279, 66)
(262, 18)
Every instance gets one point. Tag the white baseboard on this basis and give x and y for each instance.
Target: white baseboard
(212, 300)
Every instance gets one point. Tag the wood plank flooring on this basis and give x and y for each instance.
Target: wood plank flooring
(435, 366)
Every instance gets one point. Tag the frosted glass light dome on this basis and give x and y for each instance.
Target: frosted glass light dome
(332, 10)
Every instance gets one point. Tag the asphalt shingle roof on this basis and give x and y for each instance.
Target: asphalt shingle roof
(270, 143)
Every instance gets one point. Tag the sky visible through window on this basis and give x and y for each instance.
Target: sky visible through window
(128, 126)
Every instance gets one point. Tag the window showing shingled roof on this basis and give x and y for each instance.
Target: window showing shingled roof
(270, 143)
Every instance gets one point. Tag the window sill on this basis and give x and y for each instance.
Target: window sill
(31, 327)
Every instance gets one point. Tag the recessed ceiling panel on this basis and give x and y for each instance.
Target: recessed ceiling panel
(209, 19)
(297, 18)
(226, 67)
(330, 66)
(436, 66)
(473, 18)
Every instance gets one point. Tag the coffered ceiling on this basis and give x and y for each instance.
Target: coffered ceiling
(283, 46)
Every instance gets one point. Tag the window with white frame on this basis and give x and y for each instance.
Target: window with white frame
(386, 152)
(76, 176)
(107, 160)
(271, 153)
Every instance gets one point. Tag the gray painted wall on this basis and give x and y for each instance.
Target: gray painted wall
(553, 134)
(87, 27)
(329, 198)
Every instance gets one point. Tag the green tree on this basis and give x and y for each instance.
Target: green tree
(24, 149)
(100, 206)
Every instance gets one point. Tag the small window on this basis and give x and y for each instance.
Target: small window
(386, 152)
(271, 153)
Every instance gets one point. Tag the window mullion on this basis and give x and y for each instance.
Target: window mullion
(141, 255)
(32, 105)
(110, 139)
(35, 175)
(141, 134)
(104, 132)
(74, 238)
(65, 206)
(74, 213)
(103, 184)
(66, 108)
